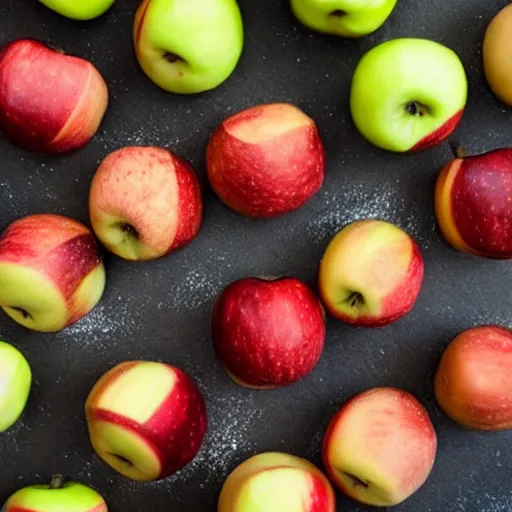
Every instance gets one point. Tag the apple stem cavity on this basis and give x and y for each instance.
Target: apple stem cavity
(130, 230)
(22, 312)
(357, 482)
(414, 108)
(56, 482)
(354, 300)
(172, 57)
(338, 13)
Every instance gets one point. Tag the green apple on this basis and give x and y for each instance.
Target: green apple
(188, 46)
(347, 18)
(15, 381)
(79, 9)
(56, 497)
(408, 94)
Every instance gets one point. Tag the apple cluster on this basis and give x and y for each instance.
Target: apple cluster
(147, 420)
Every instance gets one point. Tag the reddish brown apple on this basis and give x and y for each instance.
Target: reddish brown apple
(473, 382)
(50, 102)
(268, 333)
(266, 161)
(51, 273)
(380, 447)
(145, 202)
(474, 203)
(146, 420)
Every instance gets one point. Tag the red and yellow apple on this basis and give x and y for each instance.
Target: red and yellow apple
(276, 482)
(50, 102)
(473, 201)
(268, 333)
(473, 382)
(145, 202)
(371, 273)
(380, 447)
(146, 420)
(266, 161)
(51, 272)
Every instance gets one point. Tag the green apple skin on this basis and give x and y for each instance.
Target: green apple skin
(188, 46)
(346, 18)
(408, 94)
(79, 9)
(15, 382)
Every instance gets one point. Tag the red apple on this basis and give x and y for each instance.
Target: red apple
(266, 161)
(146, 420)
(473, 382)
(380, 447)
(50, 102)
(371, 273)
(268, 333)
(474, 203)
(51, 273)
(145, 202)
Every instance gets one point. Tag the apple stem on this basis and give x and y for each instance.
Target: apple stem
(56, 482)
(458, 150)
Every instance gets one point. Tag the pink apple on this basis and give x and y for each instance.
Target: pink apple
(145, 202)
(50, 102)
(266, 161)
(268, 333)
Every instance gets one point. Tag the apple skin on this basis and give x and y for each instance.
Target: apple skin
(15, 385)
(144, 202)
(370, 274)
(266, 160)
(31, 80)
(51, 272)
(380, 447)
(184, 53)
(473, 382)
(344, 18)
(56, 497)
(146, 420)
(472, 201)
(408, 94)
(268, 333)
(83, 10)
(276, 482)
(496, 55)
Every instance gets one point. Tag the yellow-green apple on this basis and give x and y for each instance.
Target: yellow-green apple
(188, 46)
(15, 382)
(266, 160)
(50, 103)
(347, 18)
(56, 497)
(268, 333)
(380, 447)
(83, 10)
(473, 203)
(473, 382)
(51, 272)
(276, 482)
(145, 202)
(408, 94)
(371, 273)
(146, 420)
(496, 54)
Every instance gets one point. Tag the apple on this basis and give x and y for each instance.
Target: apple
(188, 46)
(343, 17)
(146, 420)
(15, 382)
(51, 272)
(473, 203)
(380, 447)
(266, 160)
(145, 202)
(268, 333)
(83, 10)
(473, 382)
(496, 54)
(370, 274)
(408, 94)
(276, 482)
(39, 110)
(56, 497)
